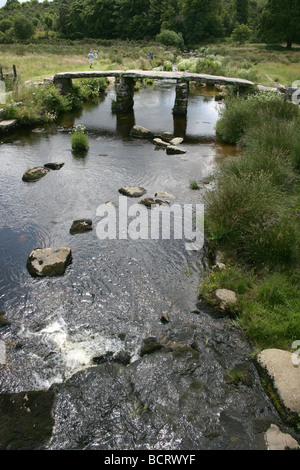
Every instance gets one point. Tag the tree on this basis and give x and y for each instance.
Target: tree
(241, 11)
(12, 5)
(201, 20)
(280, 22)
(241, 33)
(23, 27)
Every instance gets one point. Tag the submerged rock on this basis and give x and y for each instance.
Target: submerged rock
(168, 136)
(3, 321)
(173, 149)
(35, 174)
(165, 317)
(26, 420)
(150, 345)
(164, 194)
(81, 226)
(48, 262)
(148, 202)
(132, 191)
(54, 165)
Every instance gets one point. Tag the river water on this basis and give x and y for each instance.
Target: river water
(81, 334)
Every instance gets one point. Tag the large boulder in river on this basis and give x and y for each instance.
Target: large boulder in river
(141, 132)
(132, 191)
(283, 370)
(48, 261)
(35, 174)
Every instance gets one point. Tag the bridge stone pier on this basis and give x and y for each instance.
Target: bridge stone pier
(124, 94)
(124, 85)
(181, 99)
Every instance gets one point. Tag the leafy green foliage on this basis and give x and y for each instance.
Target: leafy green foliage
(195, 20)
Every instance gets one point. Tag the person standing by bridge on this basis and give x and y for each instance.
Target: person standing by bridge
(91, 57)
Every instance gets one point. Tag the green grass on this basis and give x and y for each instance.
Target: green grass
(257, 62)
(35, 62)
(194, 185)
(268, 304)
(253, 216)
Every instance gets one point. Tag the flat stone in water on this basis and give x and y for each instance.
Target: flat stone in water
(35, 174)
(48, 262)
(164, 194)
(81, 226)
(160, 143)
(176, 141)
(132, 191)
(173, 149)
(54, 165)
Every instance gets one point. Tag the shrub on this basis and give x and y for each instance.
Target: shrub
(23, 28)
(194, 185)
(79, 140)
(170, 38)
(241, 33)
(240, 114)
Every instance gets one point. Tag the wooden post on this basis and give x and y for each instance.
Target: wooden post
(15, 71)
(1, 73)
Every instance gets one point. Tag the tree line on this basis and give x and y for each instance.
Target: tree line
(183, 23)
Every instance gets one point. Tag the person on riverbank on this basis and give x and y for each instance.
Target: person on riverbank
(91, 57)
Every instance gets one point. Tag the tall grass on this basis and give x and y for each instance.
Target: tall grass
(253, 216)
(240, 114)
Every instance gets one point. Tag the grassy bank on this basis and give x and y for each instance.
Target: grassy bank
(253, 217)
(44, 104)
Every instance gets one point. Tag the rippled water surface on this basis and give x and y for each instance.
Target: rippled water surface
(113, 294)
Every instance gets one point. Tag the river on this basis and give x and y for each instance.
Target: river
(81, 334)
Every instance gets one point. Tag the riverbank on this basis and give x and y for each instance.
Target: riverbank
(44, 104)
(252, 219)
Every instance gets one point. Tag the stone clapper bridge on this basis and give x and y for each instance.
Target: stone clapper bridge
(124, 84)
